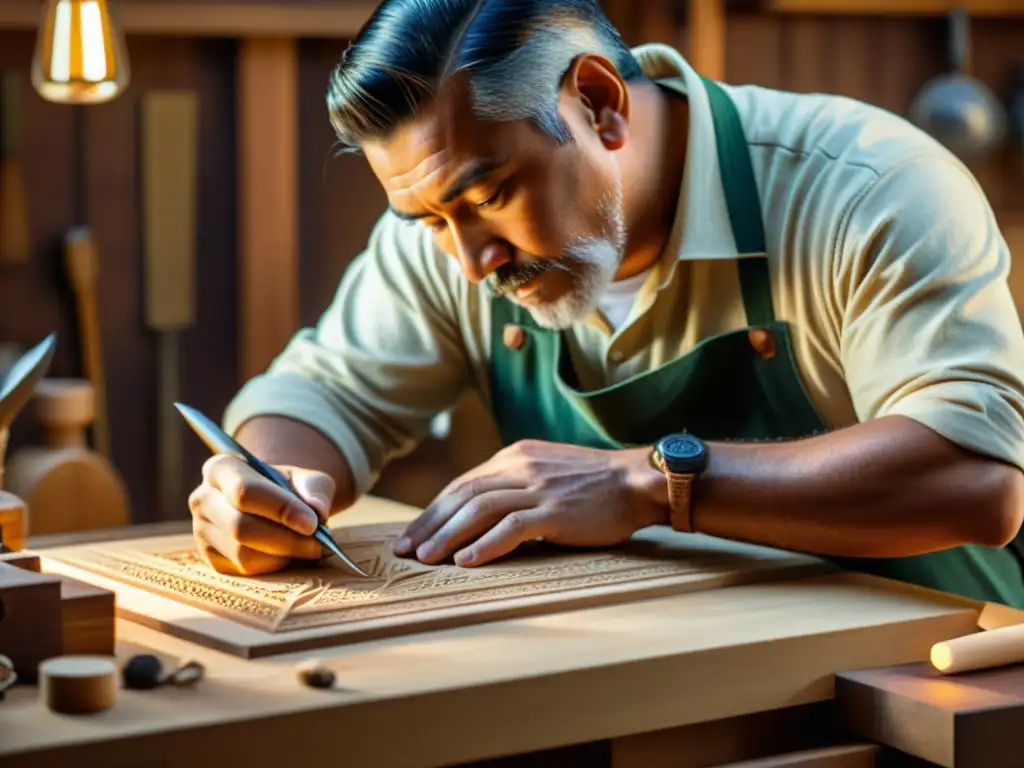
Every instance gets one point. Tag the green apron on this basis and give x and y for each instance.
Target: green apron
(726, 388)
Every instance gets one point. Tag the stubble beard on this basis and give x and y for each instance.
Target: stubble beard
(591, 263)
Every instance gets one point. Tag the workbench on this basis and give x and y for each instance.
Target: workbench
(702, 679)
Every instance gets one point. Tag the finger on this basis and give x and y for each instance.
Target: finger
(447, 503)
(315, 488)
(250, 492)
(472, 520)
(255, 532)
(511, 531)
(241, 560)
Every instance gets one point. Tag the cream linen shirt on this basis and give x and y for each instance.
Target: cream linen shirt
(885, 259)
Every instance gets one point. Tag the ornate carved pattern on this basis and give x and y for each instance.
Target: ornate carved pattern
(319, 595)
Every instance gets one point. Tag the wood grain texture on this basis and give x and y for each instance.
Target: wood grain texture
(164, 583)
(968, 720)
(268, 200)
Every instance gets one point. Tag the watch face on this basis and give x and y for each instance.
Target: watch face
(682, 453)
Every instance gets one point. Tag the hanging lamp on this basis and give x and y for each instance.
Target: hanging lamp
(80, 55)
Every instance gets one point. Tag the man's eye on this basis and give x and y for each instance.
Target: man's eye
(494, 199)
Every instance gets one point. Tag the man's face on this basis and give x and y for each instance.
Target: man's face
(542, 223)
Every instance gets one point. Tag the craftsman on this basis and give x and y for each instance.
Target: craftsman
(763, 316)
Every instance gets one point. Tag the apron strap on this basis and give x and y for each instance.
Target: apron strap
(744, 206)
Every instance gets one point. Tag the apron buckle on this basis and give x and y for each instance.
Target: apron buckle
(763, 342)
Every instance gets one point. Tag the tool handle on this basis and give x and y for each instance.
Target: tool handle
(981, 650)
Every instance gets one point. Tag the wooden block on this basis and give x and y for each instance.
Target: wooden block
(13, 521)
(30, 619)
(87, 618)
(78, 685)
(973, 719)
(22, 559)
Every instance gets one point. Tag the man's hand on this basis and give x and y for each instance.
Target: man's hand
(245, 525)
(563, 494)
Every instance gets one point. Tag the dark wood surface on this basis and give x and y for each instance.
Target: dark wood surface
(82, 167)
(972, 720)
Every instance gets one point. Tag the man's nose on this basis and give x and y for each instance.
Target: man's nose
(480, 259)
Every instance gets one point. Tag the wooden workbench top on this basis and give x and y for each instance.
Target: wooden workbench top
(503, 687)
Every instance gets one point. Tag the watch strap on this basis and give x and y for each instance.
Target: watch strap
(680, 495)
(680, 501)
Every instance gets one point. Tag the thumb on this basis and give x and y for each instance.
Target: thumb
(315, 488)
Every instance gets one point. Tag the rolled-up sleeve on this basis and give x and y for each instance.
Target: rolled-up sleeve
(384, 358)
(930, 329)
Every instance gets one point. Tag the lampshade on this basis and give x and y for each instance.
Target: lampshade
(80, 56)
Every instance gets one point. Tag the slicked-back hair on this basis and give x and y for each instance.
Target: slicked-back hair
(516, 53)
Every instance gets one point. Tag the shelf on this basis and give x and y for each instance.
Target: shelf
(218, 19)
(1001, 8)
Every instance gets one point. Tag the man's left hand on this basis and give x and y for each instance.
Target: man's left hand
(564, 494)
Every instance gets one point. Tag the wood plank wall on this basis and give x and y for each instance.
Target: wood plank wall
(83, 168)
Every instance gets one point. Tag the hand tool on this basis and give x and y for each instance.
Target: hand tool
(219, 442)
(170, 126)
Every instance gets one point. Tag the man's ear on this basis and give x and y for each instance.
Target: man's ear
(596, 85)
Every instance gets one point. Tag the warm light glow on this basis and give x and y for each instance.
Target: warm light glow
(80, 56)
(941, 656)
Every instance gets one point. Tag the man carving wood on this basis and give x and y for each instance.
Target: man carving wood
(759, 315)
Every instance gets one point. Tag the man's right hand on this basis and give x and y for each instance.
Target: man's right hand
(245, 525)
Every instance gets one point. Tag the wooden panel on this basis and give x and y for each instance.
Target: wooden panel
(160, 585)
(267, 200)
(965, 720)
(219, 19)
(897, 7)
(706, 29)
(340, 197)
(746, 737)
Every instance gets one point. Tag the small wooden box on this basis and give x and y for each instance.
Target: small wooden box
(44, 615)
(30, 619)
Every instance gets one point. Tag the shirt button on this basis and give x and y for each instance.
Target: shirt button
(617, 356)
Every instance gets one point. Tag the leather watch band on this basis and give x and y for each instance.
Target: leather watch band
(680, 495)
(680, 501)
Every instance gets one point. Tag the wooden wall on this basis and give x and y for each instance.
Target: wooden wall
(83, 169)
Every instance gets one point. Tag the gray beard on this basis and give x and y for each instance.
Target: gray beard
(590, 261)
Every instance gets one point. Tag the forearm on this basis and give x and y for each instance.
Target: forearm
(890, 487)
(279, 440)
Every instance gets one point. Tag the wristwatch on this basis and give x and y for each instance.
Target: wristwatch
(681, 457)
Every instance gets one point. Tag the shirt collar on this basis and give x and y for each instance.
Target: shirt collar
(701, 229)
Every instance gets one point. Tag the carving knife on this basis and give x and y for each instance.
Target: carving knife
(219, 442)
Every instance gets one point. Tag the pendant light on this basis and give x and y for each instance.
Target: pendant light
(80, 56)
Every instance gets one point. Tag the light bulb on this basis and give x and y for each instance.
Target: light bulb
(80, 56)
